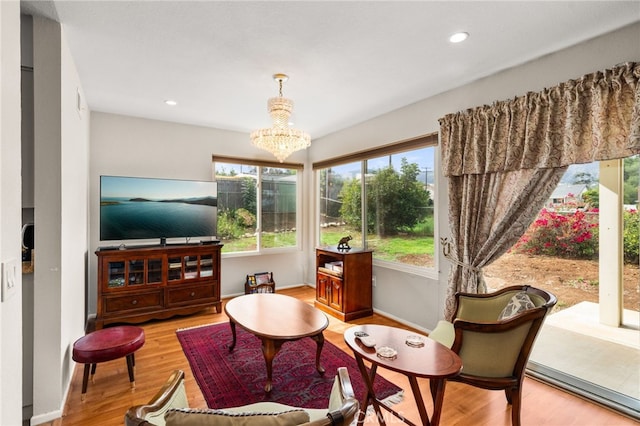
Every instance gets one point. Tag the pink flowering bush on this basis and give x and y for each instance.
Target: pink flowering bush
(572, 235)
(631, 241)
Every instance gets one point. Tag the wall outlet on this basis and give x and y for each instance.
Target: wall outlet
(10, 271)
(373, 280)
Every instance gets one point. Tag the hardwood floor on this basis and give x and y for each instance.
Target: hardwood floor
(110, 396)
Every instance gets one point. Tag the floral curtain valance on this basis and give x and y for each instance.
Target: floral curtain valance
(596, 117)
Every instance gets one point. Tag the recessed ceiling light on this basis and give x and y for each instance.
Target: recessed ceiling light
(458, 37)
(170, 102)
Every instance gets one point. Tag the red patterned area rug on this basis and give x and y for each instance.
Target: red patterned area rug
(230, 379)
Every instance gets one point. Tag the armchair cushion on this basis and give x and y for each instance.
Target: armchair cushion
(444, 333)
(520, 302)
(491, 354)
(195, 417)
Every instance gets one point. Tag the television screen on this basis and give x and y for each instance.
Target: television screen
(133, 208)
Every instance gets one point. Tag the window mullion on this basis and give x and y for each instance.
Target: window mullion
(259, 209)
(363, 201)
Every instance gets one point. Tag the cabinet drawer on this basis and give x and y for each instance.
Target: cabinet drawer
(181, 294)
(132, 302)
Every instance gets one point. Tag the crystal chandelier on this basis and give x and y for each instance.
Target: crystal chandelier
(279, 139)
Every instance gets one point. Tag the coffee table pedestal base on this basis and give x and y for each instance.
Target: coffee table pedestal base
(270, 347)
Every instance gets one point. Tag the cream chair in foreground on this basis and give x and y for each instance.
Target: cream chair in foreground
(170, 407)
(493, 334)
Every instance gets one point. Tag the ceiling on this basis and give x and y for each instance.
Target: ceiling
(347, 61)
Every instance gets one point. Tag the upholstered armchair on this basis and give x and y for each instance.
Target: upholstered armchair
(493, 334)
(170, 407)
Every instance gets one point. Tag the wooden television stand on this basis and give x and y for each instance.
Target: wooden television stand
(141, 283)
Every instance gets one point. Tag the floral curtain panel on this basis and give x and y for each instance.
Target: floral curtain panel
(504, 160)
(488, 213)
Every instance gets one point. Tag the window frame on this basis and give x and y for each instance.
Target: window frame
(426, 141)
(260, 164)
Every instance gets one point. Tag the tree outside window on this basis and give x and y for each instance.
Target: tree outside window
(398, 216)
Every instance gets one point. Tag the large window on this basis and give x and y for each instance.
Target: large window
(257, 204)
(383, 199)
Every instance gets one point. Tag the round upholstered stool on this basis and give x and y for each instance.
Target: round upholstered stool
(105, 345)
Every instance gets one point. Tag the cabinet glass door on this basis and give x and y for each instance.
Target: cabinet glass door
(175, 269)
(190, 267)
(154, 271)
(136, 272)
(206, 265)
(116, 277)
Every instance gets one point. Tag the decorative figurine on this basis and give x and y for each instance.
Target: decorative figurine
(343, 244)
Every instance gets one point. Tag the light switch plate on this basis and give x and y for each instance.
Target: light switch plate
(10, 271)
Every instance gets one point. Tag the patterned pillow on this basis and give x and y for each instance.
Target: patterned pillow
(519, 302)
(195, 417)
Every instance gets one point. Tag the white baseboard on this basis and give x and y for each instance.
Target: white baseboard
(401, 320)
(46, 417)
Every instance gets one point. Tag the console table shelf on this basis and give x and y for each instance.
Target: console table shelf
(141, 283)
(343, 282)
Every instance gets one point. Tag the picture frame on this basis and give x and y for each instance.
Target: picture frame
(262, 278)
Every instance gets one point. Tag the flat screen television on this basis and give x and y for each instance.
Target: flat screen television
(136, 208)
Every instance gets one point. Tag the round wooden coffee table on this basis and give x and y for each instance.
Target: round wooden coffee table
(275, 319)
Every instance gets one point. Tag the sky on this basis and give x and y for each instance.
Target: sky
(424, 157)
(154, 189)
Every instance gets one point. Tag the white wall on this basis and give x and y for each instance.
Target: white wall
(47, 149)
(420, 300)
(60, 200)
(74, 171)
(10, 212)
(27, 157)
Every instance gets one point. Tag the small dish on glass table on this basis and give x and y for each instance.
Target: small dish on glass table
(414, 341)
(387, 352)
